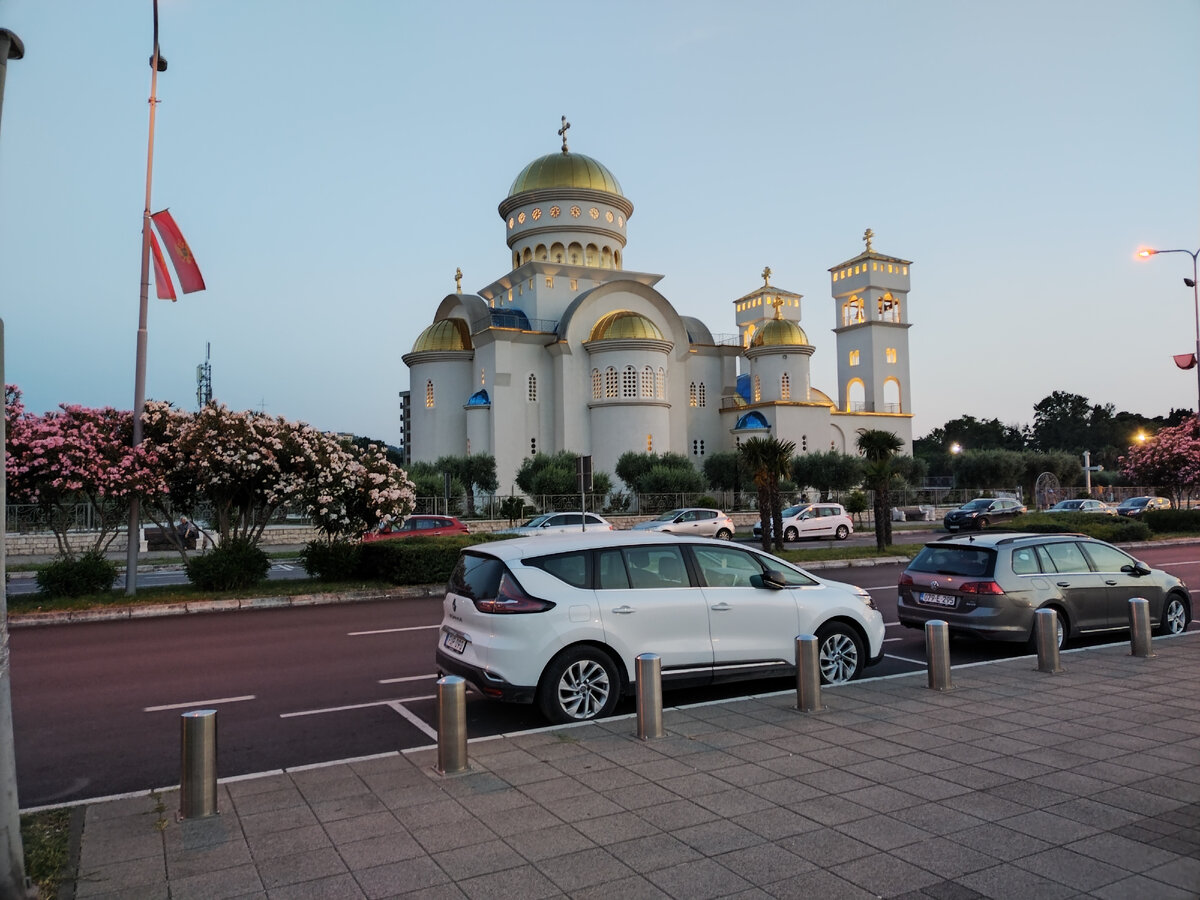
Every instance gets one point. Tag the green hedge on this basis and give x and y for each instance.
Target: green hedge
(1113, 529)
(1174, 520)
(233, 565)
(90, 573)
(417, 560)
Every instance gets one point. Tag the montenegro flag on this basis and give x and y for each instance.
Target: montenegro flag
(180, 253)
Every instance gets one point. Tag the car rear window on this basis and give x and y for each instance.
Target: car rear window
(568, 567)
(970, 562)
(476, 577)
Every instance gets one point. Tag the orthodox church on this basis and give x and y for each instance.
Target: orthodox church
(572, 351)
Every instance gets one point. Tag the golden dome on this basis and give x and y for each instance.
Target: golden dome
(624, 323)
(565, 170)
(779, 333)
(448, 334)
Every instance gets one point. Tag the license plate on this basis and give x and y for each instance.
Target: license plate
(455, 642)
(937, 600)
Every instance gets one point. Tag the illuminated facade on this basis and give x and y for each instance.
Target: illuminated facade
(571, 351)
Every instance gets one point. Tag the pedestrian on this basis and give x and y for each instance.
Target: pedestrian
(187, 531)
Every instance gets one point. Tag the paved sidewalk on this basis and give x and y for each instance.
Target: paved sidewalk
(1016, 784)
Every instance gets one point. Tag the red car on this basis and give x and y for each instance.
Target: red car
(423, 526)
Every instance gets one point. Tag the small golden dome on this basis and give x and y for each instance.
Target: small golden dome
(565, 170)
(624, 324)
(779, 333)
(448, 334)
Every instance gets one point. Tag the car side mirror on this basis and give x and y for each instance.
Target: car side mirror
(771, 580)
(1138, 569)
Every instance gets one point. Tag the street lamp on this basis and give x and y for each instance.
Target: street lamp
(1146, 253)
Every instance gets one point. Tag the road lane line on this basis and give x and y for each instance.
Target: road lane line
(413, 718)
(414, 678)
(332, 709)
(393, 630)
(915, 662)
(890, 640)
(198, 703)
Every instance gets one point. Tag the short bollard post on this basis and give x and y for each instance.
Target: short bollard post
(452, 725)
(649, 696)
(198, 764)
(1139, 629)
(808, 674)
(1046, 626)
(937, 651)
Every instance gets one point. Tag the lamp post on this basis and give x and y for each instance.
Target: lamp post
(1190, 282)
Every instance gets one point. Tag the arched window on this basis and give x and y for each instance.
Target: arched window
(855, 357)
(856, 396)
(527, 256)
(891, 396)
(757, 389)
(532, 388)
(693, 399)
(541, 252)
(558, 253)
(429, 395)
(890, 354)
(785, 387)
(660, 384)
(597, 385)
(629, 382)
(647, 383)
(611, 384)
(889, 309)
(852, 311)
(700, 393)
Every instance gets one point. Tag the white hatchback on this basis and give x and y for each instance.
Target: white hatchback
(560, 620)
(561, 523)
(814, 520)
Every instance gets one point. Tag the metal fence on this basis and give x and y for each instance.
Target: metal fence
(24, 518)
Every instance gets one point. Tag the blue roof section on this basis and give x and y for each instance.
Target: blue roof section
(511, 317)
(743, 387)
(479, 398)
(751, 420)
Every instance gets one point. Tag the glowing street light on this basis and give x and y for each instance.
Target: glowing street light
(1146, 253)
(956, 448)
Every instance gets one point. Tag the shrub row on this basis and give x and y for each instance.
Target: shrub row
(1104, 528)
(415, 560)
(1164, 520)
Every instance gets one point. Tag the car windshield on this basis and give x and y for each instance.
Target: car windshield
(668, 516)
(973, 562)
(1135, 503)
(535, 522)
(981, 503)
(792, 511)
(1068, 504)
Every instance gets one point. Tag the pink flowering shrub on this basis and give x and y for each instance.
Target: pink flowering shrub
(1170, 460)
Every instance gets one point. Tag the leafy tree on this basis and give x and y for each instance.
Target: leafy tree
(1170, 460)
(879, 448)
(555, 476)
(1062, 421)
(477, 470)
(988, 469)
(667, 479)
(827, 472)
(725, 471)
(428, 481)
(769, 459)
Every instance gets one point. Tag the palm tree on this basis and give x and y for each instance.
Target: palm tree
(879, 448)
(769, 459)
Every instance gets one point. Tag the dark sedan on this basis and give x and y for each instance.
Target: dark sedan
(982, 512)
(1135, 506)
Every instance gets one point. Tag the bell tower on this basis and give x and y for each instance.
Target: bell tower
(871, 299)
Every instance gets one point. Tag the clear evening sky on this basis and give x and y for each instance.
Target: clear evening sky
(331, 164)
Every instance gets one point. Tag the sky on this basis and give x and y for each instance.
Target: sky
(332, 164)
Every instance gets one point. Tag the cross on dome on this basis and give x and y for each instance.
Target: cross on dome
(562, 132)
(766, 276)
(867, 235)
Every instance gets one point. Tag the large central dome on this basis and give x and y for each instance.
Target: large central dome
(565, 170)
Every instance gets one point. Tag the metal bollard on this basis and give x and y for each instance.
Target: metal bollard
(1139, 629)
(1045, 623)
(452, 725)
(937, 651)
(649, 696)
(808, 674)
(198, 767)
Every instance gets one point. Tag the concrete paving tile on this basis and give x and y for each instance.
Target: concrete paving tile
(1049, 827)
(652, 852)
(880, 798)
(336, 887)
(622, 826)
(480, 859)
(929, 787)
(586, 806)
(716, 837)
(764, 864)
(306, 866)
(785, 791)
(358, 828)
(329, 788)
(225, 883)
(698, 880)
(676, 814)
(1072, 869)
(102, 848)
(776, 822)
(1136, 801)
(399, 877)
(542, 843)
(728, 803)
(555, 789)
(282, 819)
(1005, 882)
(937, 818)
(884, 832)
(273, 844)
(831, 810)
(998, 841)
(826, 847)
(525, 883)
(440, 811)
(884, 875)
(123, 876)
(584, 868)
(285, 796)
(1139, 887)
(605, 780)
(409, 795)
(744, 773)
(1133, 856)
(945, 858)
(1030, 795)
(529, 817)
(635, 887)
(379, 850)
(184, 863)
(347, 807)
(793, 766)
(693, 785)
(817, 883)
(1183, 872)
(660, 770)
(435, 838)
(447, 891)
(1092, 813)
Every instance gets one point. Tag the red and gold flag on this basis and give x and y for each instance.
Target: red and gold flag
(177, 248)
(162, 276)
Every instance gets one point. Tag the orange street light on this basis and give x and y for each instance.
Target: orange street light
(1183, 363)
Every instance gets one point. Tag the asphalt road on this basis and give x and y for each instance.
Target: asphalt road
(97, 706)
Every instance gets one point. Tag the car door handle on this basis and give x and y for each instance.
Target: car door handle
(1063, 583)
(721, 607)
(1110, 581)
(624, 610)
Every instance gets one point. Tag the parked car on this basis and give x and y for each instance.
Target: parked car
(814, 520)
(561, 523)
(1083, 506)
(693, 521)
(423, 526)
(990, 586)
(982, 512)
(1135, 506)
(560, 620)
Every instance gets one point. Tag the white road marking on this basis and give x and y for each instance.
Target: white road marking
(198, 704)
(332, 709)
(414, 678)
(393, 630)
(915, 662)
(890, 640)
(413, 718)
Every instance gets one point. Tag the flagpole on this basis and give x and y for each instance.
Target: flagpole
(157, 64)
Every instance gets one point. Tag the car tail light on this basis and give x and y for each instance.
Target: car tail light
(981, 587)
(905, 578)
(511, 598)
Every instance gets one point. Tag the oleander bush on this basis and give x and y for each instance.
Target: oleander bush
(235, 564)
(89, 573)
(332, 560)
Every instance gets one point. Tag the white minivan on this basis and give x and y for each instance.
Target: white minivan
(559, 620)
